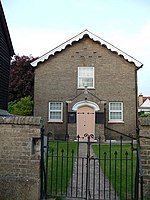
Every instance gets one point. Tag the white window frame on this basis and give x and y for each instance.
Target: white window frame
(81, 87)
(116, 111)
(49, 112)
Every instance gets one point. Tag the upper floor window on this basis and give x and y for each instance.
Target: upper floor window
(55, 111)
(85, 77)
(116, 112)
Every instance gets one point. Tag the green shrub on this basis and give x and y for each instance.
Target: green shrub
(142, 114)
(22, 107)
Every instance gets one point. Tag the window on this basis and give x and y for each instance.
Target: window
(116, 111)
(55, 111)
(85, 77)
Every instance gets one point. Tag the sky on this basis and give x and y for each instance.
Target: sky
(38, 26)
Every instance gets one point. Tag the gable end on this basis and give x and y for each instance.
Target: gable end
(87, 34)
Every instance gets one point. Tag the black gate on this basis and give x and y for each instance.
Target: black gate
(91, 169)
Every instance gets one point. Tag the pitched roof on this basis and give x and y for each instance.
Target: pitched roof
(144, 98)
(6, 31)
(146, 104)
(94, 38)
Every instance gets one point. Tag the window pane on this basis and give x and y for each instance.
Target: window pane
(86, 76)
(86, 71)
(115, 106)
(85, 82)
(116, 111)
(88, 82)
(115, 115)
(55, 111)
(81, 72)
(89, 72)
(55, 115)
(55, 106)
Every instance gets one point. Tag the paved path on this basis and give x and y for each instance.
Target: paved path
(99, 187)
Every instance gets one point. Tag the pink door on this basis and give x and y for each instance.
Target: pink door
(85, 121)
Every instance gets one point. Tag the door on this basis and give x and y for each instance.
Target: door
(85, 121)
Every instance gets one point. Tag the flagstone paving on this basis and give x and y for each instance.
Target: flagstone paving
(99, 187)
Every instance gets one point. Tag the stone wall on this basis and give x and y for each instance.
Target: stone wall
(145, 152)
(20, 158)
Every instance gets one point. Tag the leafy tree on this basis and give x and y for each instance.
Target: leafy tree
(22, 107)
(21, 77)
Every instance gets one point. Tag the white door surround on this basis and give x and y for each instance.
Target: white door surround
(86, 103)
(85, 118)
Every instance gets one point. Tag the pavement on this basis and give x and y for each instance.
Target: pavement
(99, 186)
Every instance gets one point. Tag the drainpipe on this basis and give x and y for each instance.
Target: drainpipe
(67, 106)
(136, 93)
(137, 135)
(66, 135)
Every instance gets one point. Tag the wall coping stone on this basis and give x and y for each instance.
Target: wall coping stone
(21, 120)
(144, 121)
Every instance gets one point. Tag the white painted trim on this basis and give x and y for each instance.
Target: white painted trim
(85, 103)
(93, 37)
(55, 120)
(119, 111)
(93, 77)
(116, 122)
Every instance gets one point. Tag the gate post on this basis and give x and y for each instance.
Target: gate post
(42, 164)
(88, 195)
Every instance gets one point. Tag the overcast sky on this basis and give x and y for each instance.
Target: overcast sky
(38, 26)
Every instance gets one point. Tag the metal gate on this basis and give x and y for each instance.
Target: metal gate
(91, 169)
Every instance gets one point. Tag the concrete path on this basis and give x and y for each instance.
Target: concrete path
(99, 187)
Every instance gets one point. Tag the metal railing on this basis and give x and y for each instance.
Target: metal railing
(90, 169)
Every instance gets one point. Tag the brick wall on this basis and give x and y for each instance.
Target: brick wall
(56, 80)
(20, 158)
(145, 152)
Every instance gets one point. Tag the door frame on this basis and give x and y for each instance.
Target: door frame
(85, 104)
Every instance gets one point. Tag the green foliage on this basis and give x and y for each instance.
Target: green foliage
(22, 107)
(8, 198)
(142, 114)
(21, 80)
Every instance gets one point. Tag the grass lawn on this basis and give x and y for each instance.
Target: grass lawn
(117, 162)
(119, 165)
(61, 157)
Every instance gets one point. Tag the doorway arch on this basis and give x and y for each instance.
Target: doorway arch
(85, 103)
(85, 118)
